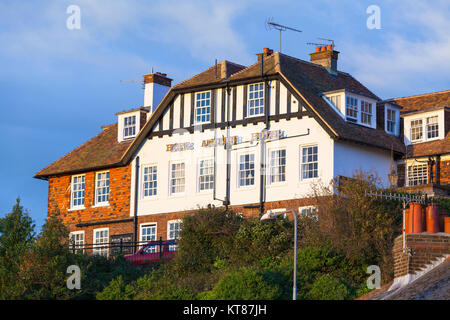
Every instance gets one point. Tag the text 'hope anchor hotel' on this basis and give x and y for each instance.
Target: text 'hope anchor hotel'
(253, 138)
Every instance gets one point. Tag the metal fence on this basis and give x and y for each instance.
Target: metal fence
(113, 249)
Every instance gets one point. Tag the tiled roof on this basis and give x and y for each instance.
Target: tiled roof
(101, 151)
(433, 285)
(424, 102)
(211, 75)
(311, 80)
(429, 148)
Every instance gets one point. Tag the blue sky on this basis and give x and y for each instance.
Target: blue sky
(58, 86)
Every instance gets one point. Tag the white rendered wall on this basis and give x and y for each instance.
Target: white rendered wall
(153, 94)
(349, 157)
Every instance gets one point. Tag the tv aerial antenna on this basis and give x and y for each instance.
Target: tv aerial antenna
(135, 81)
(272, 25)
(323, 43)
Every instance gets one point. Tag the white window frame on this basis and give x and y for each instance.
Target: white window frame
(169, 237)
(393, 121)
(98, 248)
(179, 178)
(199, 107)
(97, 188)
(129, 126)
(433, 124)
(199, 176)
(150, 181)
(251, 98)
(250, 154)
(143, 241)
(72, 198)
(302, 163)
(366, 114)
(79, 244)
(351, 108)
(416, 127)
(311, 214)
(419, 179)
(273, 166)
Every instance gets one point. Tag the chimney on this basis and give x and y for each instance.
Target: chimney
(266, 52)
(156, 86)
(327, 57)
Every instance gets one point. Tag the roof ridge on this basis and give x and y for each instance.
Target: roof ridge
(213, 66)
(422, 95)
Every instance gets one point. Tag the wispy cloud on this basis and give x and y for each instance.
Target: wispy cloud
(202, 29)
(406, 62)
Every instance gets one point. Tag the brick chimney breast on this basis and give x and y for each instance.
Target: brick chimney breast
(326, 57)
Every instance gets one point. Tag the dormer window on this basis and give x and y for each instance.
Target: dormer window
(432, 127)
(416, 130)
(351, 109)
(366, 112)
(129, 127)
(255, 99)
(391, 116)
(203, 107)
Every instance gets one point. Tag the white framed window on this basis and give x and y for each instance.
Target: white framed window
(149, 181)
(102, 188)
(255, 101)
(173, 232)
(76, 241)
(417, 174)
(308, 211)
(177, 177)
(366, 112)
(277, 166)
(246, 170)
(416, 130)
(101, 242)
(351, 109)
(206, 175)
(335, 101)
(203, 107)
(432, 127)
(148, 234)
(391, 116)
(129, 126)
(77, 191)
(309, 162)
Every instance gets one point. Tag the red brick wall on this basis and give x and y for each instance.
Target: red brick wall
(425, 248)
(162, 219)
(119, 198)
(445, 172)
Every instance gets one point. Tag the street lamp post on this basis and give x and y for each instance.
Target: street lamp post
(270, 215)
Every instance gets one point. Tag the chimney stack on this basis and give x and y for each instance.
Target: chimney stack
(326, 57)
(266, 52)
(156, 86)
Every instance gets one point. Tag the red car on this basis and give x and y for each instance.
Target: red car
(153, 251)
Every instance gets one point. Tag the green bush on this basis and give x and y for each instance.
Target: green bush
(155, 286)
(261, 244)
(206, 236)
(116, 290)
(249, 284)
(326, 287)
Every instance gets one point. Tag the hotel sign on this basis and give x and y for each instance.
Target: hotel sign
(258, 136)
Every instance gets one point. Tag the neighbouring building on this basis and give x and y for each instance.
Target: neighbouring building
(426, 164)
(251, 138)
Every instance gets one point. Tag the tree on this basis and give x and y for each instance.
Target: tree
(16, 238)
(362, 228)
